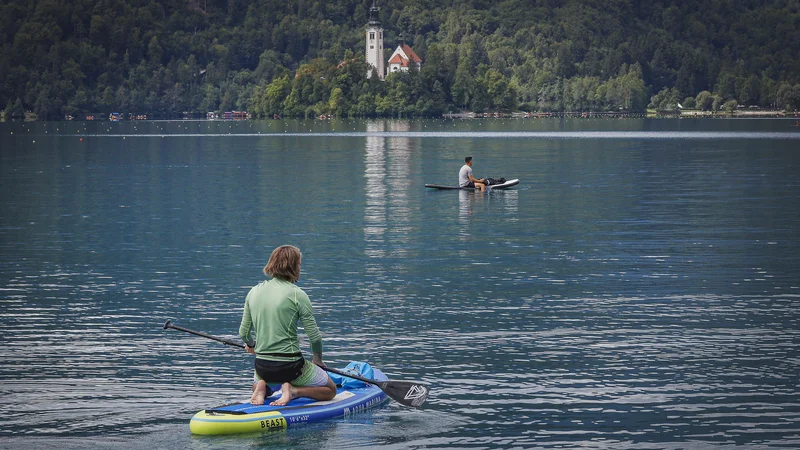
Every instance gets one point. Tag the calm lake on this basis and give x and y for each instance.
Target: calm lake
(639, 289)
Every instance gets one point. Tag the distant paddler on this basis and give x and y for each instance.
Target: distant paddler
(465, 178)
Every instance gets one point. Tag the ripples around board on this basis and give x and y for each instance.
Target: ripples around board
(563, 371)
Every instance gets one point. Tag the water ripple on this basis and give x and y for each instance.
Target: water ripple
(638, 290)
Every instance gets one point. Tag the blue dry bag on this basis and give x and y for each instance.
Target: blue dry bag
(356, 368)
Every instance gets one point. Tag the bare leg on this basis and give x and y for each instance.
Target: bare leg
(287, 394)
(259, 392)
(322, 393)
(480, 186)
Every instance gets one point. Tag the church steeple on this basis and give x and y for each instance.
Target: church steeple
(373, 15)
(374, 48)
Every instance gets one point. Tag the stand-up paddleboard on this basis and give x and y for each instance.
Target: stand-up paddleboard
(505, 185)
(359, 387)
(248, 418)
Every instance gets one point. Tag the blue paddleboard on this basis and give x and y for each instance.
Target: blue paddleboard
(248, 418)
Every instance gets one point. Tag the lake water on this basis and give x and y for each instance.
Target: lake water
(639, 289)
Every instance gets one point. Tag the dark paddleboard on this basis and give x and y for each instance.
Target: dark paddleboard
(505, 185)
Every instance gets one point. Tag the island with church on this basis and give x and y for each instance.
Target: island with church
(402, 58)
(227, 60)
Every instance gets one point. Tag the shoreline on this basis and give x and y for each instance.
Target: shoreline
(650, 114)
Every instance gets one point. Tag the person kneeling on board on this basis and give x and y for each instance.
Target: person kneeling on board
(465, 178)
(272, 309)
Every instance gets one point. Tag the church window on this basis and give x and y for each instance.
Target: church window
(372, 36)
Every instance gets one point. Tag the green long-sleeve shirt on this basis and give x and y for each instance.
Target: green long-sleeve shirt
(273, 308)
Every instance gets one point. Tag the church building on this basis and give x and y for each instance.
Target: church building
(402, 58)
(375, 43)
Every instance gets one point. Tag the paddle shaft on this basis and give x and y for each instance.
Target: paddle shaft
(169, 324)
(404, 392)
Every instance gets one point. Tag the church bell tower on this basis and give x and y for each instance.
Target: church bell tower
(375, 43)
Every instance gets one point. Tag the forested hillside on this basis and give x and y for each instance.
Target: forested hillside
(306, 57)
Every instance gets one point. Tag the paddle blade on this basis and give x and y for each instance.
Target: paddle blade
(405, 392)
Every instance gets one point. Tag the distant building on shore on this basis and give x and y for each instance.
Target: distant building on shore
(374, 48)
(402, 58)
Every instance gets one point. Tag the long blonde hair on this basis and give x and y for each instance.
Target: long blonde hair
(284, 263)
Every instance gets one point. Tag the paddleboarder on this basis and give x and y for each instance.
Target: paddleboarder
(465, 178)
(272, 310)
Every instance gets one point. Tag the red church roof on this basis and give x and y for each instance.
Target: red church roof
(398, 59)
(411, 55)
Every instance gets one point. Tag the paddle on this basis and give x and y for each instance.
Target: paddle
(169, 324)
(404, 392)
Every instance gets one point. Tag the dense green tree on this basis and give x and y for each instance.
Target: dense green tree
(788, 96)
(627, 91)
(337, 104)
(500, 94)
(364, 107)
(704, 100)
(201, 55)
(717, 103)
(463, 87)
(14, 110)
(666, 99)
(580, 94)
(269, 101)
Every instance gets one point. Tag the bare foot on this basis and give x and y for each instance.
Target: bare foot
(287, 394)
(259, 393)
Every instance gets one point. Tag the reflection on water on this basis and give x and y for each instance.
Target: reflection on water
(401, 154)
(466, 210)
(376, 190)
(474, 209)
(388, 172)
(510, 200)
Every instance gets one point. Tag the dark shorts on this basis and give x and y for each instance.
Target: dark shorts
(469, 184)
(279, 371)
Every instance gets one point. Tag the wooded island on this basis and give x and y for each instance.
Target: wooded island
(304, 58)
